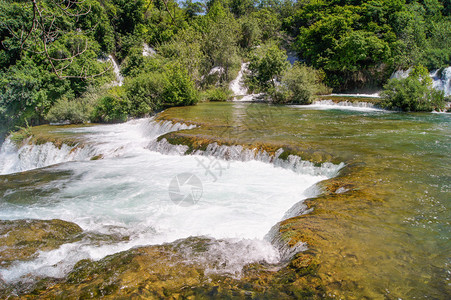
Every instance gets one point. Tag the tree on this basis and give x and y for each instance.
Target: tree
(42, 26)
(267, 64)
(300, 84)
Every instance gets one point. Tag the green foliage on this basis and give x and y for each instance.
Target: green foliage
(144, 93)
(21, 133)
(72, 111)
(221, 40)
(358, 43)
(111, 109)
(187, 48)
(267, 64)
(300, 84)
(414, 93)
(150, 92)
(178, 88)
(217, 94)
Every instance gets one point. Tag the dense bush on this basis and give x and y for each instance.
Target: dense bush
(72, 111)
(111, 109)
(150, 92)
(217, 94)
(414, 93)
(300, 84)
(267, 64)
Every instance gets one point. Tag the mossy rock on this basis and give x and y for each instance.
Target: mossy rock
(22, 239)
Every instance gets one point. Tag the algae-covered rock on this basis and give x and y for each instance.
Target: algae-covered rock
(22, 239)
(174, 271)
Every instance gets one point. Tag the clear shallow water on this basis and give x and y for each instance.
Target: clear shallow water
(125, 196)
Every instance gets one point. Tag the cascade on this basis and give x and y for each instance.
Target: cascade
(343, 105)
(440, 81)
(117, 71)
(125, 196)
(148, 51)
(104, 140)
(239, 89)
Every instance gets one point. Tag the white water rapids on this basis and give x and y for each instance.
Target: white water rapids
(125, 195)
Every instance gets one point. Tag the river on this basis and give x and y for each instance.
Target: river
(377, 185)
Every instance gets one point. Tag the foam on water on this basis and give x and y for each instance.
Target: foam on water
(105, 140)
(125, 195)
(28, 157)
(344, 105)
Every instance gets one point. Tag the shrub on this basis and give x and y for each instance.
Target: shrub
(414, 93)
(178, 88)
(112, 109)
(153, 91)
(144, 93)
(267, 64)
(300, 84)
(73, 111)
(217, 94)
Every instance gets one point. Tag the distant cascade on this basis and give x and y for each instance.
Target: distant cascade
(117, 71)
(148, 51)
(239, 153)
(237, 85)
(373, 95)
(344, 103)
(239, 89)
(440, 80)
(400, 74)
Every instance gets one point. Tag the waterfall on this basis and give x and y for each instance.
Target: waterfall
(374, 95)
(239, 89)
(125, 196)
(442, 82)
(237, 85)
(343, 105)
(28, 157)
(102, 141)
(400, 74)
(148, 51)
(238, 153)
(117, 71)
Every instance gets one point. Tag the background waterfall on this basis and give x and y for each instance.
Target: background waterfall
(440, 80)
(239, 89)
(117, 71)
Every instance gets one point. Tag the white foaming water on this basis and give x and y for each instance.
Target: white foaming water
(443, 82)
(374, 95)
(117, 71)
(126, 195)
(399, 74)
(239, 89)
(28, 157)
(148, 51)
(105, 140)
(344, 105)
(237, 85)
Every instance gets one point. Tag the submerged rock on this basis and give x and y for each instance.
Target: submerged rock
(168, 271)
(22, 239)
